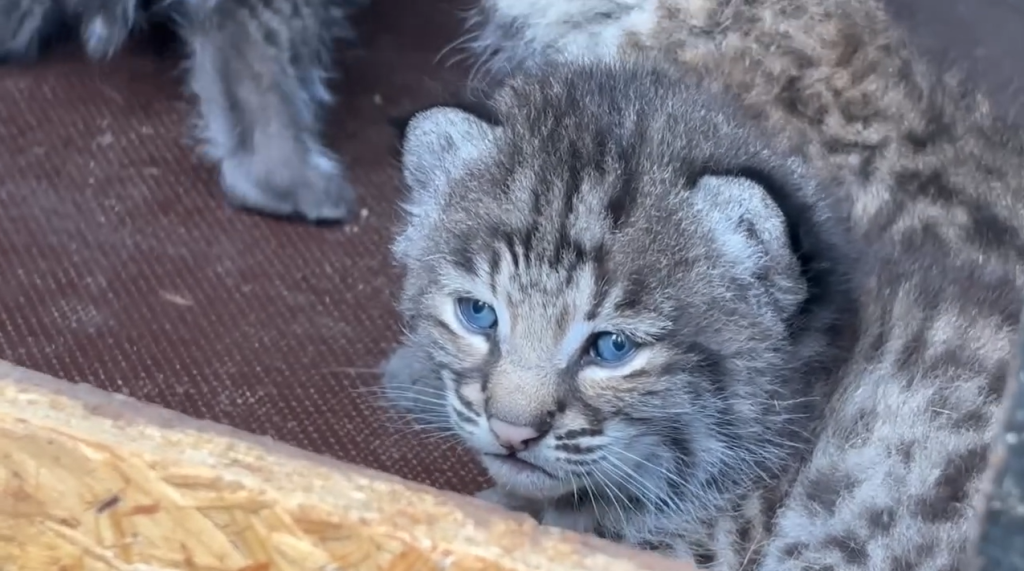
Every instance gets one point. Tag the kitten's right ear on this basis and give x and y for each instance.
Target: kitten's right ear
(439, 145)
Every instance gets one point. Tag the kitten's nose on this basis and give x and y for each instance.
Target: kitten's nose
(511, 435)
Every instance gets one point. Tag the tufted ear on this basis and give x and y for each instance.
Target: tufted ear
(439, 145)
(751, 231)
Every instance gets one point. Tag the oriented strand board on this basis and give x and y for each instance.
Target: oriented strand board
(92, 481)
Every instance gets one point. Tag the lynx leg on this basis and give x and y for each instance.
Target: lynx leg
(258, 75)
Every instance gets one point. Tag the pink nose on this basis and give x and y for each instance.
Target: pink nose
(511, 435)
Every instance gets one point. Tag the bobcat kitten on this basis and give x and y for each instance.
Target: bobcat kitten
(650, 317)
(835, 80)
(258, 69)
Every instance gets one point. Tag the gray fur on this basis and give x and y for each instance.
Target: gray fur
(648, 208)
(936, 198)
(258, 71)
(886, 424)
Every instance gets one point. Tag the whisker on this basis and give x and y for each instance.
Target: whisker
(668, 475)
(415, 398)
(410, 398)
(594, 491)
(432, 436)
(407, 389)
(358, 370)
(417, 419)
(458, 43)
(615, 491)
(643, 489)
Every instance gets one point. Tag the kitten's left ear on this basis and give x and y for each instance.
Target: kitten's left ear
(439, 145)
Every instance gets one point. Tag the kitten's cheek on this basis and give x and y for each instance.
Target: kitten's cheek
(474, 348)
(472, 394)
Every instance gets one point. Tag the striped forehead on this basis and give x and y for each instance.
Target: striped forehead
(547, 299)
(566, 192)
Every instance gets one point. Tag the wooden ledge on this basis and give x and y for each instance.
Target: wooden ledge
(92, 481)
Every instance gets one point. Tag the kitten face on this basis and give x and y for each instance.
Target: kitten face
(604, 281)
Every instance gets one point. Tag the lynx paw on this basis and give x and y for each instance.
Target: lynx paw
(499, 497)
(581, 520)
(316, 189)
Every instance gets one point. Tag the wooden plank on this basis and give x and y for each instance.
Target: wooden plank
(92, 481)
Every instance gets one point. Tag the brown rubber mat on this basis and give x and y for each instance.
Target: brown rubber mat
(121, 266)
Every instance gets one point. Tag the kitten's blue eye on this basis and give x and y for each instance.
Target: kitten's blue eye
(612, 348)
(477, 315)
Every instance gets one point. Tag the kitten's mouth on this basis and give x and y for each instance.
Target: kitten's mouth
(513, 462)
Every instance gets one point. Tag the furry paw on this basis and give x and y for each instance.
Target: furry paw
(512, 502)
(580, 520)
(316, 189)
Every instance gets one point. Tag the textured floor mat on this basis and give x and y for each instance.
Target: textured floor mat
(121, 266)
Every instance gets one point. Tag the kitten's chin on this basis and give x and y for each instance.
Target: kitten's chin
(524, 479)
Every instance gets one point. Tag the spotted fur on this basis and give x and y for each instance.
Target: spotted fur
(870, 458)
(258, 71)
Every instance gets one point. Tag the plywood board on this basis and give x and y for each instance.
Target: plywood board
(92, 481)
